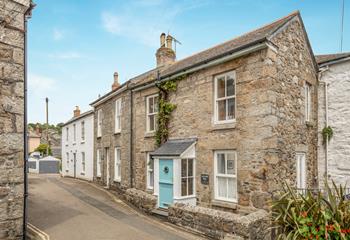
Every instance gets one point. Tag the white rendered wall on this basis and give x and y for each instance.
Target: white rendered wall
(338, 79)
(78, 147)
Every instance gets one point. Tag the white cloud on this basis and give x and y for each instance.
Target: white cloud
(111, 23)
(58, 34)
(65, 55)
(39, 84)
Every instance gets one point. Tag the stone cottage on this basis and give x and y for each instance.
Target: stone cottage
(244, 120)
(13, 17)
(334, 112)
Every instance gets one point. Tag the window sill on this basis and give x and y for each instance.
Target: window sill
(150, 134)
(67, 170)
(74, 143)
(98, 137)
(223, 126)
(67, 145)
(184, 197)
(98, 176)
(224, 204)
(117, 133)
(117, 181)
(309, 124)
(82, 173)
(82, 142)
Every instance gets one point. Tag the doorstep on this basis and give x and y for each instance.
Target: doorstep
(160, 212)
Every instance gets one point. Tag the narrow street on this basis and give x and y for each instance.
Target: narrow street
(71, 209)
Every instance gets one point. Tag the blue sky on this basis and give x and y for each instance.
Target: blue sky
(75, 46)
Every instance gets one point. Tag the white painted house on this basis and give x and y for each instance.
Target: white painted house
(77, 146)
(334, 111)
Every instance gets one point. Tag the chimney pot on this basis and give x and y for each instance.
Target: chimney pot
(169, 42)
(162, 40)
(115, 84)
(76, 111)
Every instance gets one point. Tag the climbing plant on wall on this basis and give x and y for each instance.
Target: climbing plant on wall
(165, 108)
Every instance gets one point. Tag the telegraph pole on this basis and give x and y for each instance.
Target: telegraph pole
(47, 126)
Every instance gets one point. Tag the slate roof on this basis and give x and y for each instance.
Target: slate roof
(322, 59)
(174, 147)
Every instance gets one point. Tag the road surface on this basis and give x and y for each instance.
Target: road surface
(66, 209)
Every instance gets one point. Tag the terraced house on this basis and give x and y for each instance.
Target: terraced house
(245, 120)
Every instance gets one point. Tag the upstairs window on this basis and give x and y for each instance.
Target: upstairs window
(74, 133)
(187, 183)
(118, 108)
(117, 160)
(225, 176)
(225, 97)
(308, 102)
(152, 111)
(82, 131)
(99, 123)
(67, 134)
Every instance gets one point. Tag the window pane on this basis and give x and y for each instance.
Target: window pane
(222, 187)
(150, 164)
(151, 179)
(221, 110)
(230, 86)
(231, 188)
(150, 105)
(155, 104)
(190, 168)
(221, 163)
(190, 186)
(221, 87)
(231, 168)
(151, 123)
(231, 108)
(183, 186)
(183, 167)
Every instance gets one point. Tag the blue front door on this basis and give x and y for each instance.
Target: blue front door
(165, 182)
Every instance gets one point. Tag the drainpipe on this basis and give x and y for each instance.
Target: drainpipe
(131, 140)
(27, 15)
(326, 112)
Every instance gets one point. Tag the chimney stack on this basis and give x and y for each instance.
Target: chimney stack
(165, 54)
(115, 84)
(76, 111)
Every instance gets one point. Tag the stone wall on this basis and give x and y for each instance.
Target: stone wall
(140, 199)
(338, 79)
(219, 224)
(11, 117)
(294, 67)
(110, 139)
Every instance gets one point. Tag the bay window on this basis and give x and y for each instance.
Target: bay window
(187, 178)
(150, 171)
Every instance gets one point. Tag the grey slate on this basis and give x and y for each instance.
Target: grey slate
(174, 147)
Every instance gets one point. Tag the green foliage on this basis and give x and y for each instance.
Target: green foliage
(327, 133)
(165, 108)
(42, 148)
(313, 215)
(43, 126)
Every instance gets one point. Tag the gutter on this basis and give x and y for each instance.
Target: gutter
(209, 63)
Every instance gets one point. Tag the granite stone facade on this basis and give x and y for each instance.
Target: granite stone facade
(269, 127)
(12, 117)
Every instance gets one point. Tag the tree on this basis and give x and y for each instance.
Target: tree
(42, 148)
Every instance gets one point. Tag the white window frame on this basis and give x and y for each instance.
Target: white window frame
(83, 163)
(98, 163)
(216, 99)
(308, 101)
(216, 175)
(99, 123)
(150, 171)
(117, 164)
(67, 161)
(118, 114)
(148, 114)
(187, 177)
(74, 133)
(82, 131)
(301, 170)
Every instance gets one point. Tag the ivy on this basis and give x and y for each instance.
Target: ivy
(327, 133)
(165, 108)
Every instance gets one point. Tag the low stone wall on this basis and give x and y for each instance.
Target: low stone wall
(142, 200)
(218, 224)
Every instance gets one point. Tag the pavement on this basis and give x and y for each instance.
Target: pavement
(67, 208)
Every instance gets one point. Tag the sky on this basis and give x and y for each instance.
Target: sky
(75, 46)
